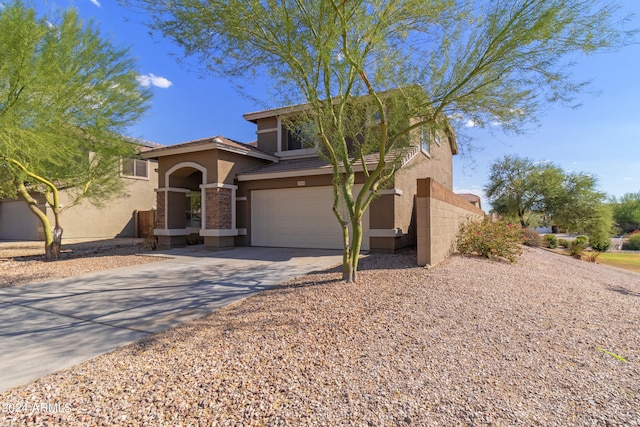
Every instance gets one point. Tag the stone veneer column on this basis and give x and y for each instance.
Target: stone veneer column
(161, 212)
(219, 215)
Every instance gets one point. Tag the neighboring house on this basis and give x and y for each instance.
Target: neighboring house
(471, 198)
(115, 219)
(277, 191)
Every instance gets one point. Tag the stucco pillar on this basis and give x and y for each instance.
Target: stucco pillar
(423, 227)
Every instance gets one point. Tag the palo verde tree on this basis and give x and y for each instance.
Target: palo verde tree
(484, 61)
(65, 96)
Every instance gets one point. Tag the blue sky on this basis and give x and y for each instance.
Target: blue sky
(601, 137)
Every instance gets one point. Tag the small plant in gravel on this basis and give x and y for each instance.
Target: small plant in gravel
(576, 248)
(564, 243)
(532, 238)
(590, 256)
(490, 239)
(551, 241)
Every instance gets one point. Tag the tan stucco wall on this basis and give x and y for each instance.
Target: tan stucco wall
(206, 159)
(115, 219)
(439, 213)
(267, 141)
(17, 222)
(231, 164)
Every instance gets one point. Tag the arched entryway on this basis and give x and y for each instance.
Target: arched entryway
(181, 206)
(189, 205)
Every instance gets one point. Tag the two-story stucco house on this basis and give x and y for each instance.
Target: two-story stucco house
(277, 191)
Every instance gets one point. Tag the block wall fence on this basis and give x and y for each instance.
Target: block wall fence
(439, 213)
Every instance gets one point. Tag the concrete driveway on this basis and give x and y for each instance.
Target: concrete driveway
(49, 326)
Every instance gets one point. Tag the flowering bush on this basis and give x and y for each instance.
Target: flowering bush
(490, 239)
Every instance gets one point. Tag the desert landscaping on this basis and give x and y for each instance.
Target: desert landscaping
(549, 340)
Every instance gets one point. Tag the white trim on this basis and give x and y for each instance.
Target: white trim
(302, 153)
(219, 185)
(181, 165)
(172, 190)
(219, 233)
(241, 199)
(269, 130)
(385, 232)
(394, 191)
(170, 232)
(279, 136)
(242, 231)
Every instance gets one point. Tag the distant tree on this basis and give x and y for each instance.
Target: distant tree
(626, 211)
(65, 97)
(522, 189)
(483, 61)
(600, 227)
(576, 203)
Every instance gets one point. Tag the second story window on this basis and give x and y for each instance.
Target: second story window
(299, 135)
(135, 168)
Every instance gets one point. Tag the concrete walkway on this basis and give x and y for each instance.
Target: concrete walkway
(49, 326)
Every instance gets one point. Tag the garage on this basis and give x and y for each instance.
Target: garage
(297, 218)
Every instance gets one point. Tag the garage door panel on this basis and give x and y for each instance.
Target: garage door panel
(297, 217)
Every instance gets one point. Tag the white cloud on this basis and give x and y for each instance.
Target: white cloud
(96, 2)
(628, 178)
(151, 79)
(470, 124)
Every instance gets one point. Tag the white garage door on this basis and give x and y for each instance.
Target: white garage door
(297, 218)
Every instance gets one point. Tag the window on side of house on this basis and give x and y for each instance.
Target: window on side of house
(135, 168)
(425, 136)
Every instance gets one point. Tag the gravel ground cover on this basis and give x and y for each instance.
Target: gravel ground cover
(549, 341)
(23, 262)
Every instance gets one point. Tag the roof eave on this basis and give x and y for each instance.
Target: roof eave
(170, 151)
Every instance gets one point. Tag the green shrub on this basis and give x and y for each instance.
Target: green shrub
(564, 243)
(489, 239)
(551, 241)
(600, 244)
(582, 239)
(532, 238)
(634, 242)
(576, 247)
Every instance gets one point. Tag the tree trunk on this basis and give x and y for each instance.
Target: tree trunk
(50, 234)
(53, 249)
(352, 253)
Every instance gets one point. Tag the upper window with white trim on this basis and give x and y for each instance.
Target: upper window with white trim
(299, 136)
(135, 168)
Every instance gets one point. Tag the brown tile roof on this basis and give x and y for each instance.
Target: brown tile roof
(212, 142)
